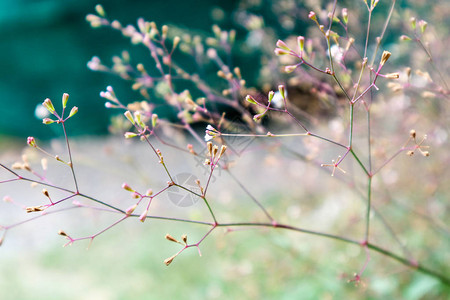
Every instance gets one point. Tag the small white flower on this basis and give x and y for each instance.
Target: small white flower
(208, 137)
(277, 100)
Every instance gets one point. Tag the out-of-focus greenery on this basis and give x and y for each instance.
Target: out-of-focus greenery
(45, 45)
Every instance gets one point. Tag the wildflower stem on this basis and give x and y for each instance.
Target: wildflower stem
(70, 156)
(369, 200)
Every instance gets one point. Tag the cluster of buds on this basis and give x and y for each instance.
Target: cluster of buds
(413, 22)
(110, 96)
(284, 49)
(278, 97)
(170, 238)
(137, 119)
(64, 234)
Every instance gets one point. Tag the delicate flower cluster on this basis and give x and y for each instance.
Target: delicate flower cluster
(211, 133)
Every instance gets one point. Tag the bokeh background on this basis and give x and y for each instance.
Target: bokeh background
(45, 45)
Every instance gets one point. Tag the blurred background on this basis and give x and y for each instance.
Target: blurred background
(44, 49)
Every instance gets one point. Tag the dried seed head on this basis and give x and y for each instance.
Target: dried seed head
(62, 233)
(412, 133)
(184, 238)
(209, 147)
(410, 153)
(215, 149)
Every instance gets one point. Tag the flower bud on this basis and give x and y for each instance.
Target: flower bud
(31, 141)
(301, 43)
(290, 69)
(282, 45)
(126, 187)
(129, 117)
(47, 121)
(176, 41)
(65, 98)
(154, 120)
(250, 99)
(130, 209)
(49, 105)
(279, 52)
(73, 111)
(423, 25)
(169, 260)
(99, 9)
(143, 216)
(405, 38)
(345, 15)
(413, 22)
(171, 238)
(392, 76)
(312, 16)
(270, 96)
(129, 135)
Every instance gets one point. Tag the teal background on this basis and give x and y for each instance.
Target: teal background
(44, 48)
